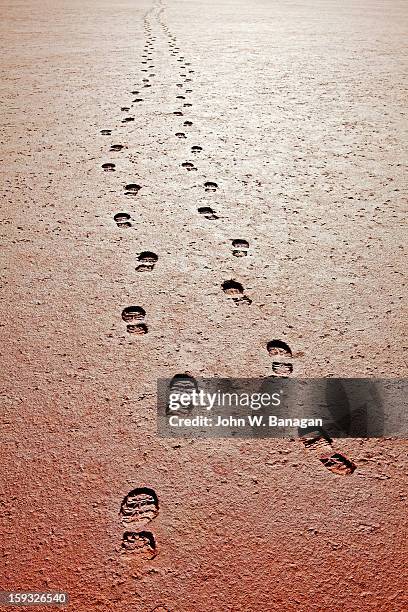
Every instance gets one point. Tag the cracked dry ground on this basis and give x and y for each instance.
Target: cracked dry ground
(213, 188)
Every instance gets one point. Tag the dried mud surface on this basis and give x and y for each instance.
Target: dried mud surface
(299, 110)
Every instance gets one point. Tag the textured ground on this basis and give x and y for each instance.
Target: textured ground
(299, 108)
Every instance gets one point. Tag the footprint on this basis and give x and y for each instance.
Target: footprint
(240, 248)
(139, 506)
(134, 316)
(278, 347)
(116, 147)
(140, 543)
(318, 443)
(133, 313)
(182, 384)
(188, 123)
(208, 186)
(338, 464)
(196, 149)
(180, 97)
(132, 189)
(128, 119)
(189, 166)
(181, 135)
(147, 260)
(109, 167)
(232, 287)
(139, 329)
(187, 104)
(179, 84)
(122, 219)
(208, 212)
(134, 93)
(125, 108)
(189, 91)
(316, 439)
(236, 291)
(282, 369)
(138, 100)
(106, 132)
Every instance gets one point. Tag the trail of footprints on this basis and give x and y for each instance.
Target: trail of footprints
(140, 506)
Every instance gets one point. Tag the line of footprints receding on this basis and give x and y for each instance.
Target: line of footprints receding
(141, 506)
(134, 316)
